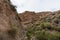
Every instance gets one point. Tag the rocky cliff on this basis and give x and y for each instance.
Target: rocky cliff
(9, 19)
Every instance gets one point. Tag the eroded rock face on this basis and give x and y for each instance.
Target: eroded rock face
(9, 18)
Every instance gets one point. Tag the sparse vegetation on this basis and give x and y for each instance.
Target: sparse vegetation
(13, 7)
(43, 34)
(46, 25)
(13, 32)
(46, 29)
(41, 26)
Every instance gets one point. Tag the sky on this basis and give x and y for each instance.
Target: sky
(36, 5)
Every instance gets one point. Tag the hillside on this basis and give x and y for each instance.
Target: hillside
(42, 25)
(28, 25)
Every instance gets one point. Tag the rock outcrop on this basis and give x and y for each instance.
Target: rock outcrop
(28, 18)
(8, 19)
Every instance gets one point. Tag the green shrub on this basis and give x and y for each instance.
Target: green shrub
(28, 34)
(40, 35)
(45, 35)
(46, 25)
(56, 20)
